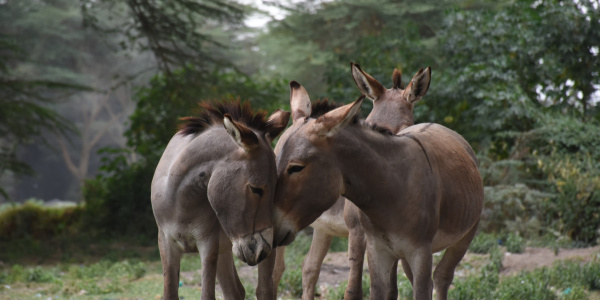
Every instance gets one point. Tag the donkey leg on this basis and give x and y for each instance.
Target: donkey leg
(420, 263)
(170, 257)
(209, 255)
(265, 289)
(394, 281)
(226, 273)
(279, 267)
(357, 245)
(444, 272)
(311, 267)
(381, 263)
(407, 270)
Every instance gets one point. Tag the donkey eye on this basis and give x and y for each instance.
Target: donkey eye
(295, 169)
(256, 190)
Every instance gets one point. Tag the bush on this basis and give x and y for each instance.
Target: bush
(524, 286)
(338, 292)
(483, 243)
(514, 243)
(291, 282)
(576, 208)
(33, 220)
(119, 205)
(514, 208)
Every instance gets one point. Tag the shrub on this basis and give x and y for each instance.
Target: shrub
(119, 205)
(483, 243)
(513, 208)
(338, 292)
(33, 220)
(405, 290)
(576, 208)
(515, 243)
(524, 286)
(291, 282)
(338, 244)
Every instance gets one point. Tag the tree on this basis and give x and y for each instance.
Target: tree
(60, 49)
(174, 31)
(539, 53)
(24, 113)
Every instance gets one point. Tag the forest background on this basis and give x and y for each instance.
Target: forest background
(91, 92)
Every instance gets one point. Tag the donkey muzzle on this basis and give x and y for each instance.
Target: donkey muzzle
(254, 247)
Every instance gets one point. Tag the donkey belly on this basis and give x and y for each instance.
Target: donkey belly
(332, 220)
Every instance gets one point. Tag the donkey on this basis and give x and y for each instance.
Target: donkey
(419, 192)
(392, 109)
(212, 193)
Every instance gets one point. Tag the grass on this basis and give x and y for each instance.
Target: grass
(83, 267)
(133, 278)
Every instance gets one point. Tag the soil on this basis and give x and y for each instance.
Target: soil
(335, 268)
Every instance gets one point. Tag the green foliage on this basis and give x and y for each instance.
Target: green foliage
(177, 96)
(338, 244)
(119, 205)
(483, 243)
(291, 282)
(191, 262)
(177, 32)
(316, 42)
(525, 286)
(25, 111)
(513, 208)
(33, 220)
(89, 278)
(405, 290)
(576, 209)
(338, 292)
(564, 280)
(18, 273)
(515, 243)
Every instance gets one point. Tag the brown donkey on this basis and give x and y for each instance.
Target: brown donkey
(392, 109)
(419, 192)
(212, 193)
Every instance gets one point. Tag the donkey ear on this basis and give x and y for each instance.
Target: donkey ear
(397, 79)
(277, 122)
(418, 86)
(241, 135)
(299, 101)
(330, 123)
(365, 83)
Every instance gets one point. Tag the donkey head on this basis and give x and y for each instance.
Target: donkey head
(242, 186)
(392, 107)
(309, 180)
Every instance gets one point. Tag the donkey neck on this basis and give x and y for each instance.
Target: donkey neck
(207, 148)
(373, 165)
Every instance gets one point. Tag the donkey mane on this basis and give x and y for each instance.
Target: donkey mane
(213, 113)
(324, 106)
(321, 107)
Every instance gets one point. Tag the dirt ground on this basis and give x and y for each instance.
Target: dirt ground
(335, 267)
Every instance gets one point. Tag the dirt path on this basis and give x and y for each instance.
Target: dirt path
(533, 258)
(335, 266)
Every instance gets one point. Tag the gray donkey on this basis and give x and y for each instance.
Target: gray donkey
(419, 191)
(392, 110)
(212, 193)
